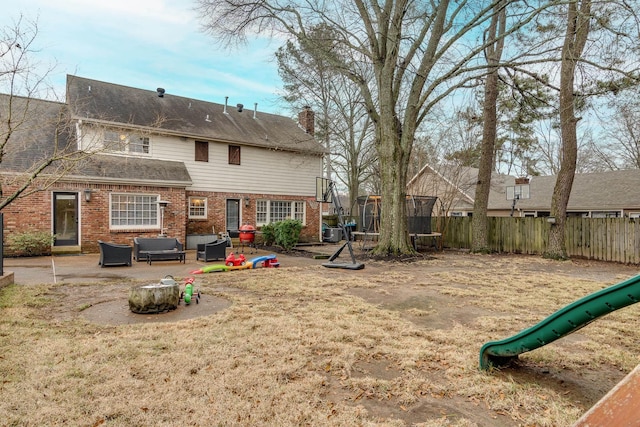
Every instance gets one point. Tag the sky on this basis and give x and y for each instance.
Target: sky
(148, 44)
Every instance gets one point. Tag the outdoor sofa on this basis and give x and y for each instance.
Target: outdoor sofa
(162, 249)
(212, 250)
(114, 254)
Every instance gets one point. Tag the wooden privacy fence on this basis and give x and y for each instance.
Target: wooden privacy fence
(605, 239)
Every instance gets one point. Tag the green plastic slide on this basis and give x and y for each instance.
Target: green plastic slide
(563, 322)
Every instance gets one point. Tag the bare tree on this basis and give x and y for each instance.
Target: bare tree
(622, 132)
(461, 133)
(419, 53)
(342, 121)
(354, 153)
(37, 138)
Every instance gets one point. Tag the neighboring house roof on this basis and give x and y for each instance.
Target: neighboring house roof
(456, 185)
(601, 191)
(102, 102)
(613, 190)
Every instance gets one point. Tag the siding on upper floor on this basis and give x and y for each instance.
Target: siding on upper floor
(261, 170)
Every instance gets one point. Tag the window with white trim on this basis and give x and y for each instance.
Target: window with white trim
(270, 211)
(262, 212)
(123, 142)
(134, 211)
(298, 211)
(605, 214)
(198, 207)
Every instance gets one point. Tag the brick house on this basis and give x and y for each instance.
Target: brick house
(161, 164)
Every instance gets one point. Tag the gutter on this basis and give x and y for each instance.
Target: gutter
(144, 182)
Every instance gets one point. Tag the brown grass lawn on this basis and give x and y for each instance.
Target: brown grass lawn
(394, 344)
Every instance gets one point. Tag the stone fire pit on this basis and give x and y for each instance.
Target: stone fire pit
(155, 297)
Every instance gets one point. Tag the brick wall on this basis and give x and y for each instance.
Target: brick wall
(95, 216)
(28, 214)
(216, 213)
(34, 213)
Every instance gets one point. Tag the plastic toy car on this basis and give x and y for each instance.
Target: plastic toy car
(233, 261)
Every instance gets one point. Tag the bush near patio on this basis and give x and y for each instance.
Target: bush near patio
(283, 233)
(29, 243)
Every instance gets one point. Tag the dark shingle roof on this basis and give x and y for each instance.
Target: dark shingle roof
(33, 134)
(133, 170)
(612, 190)
(171, 114)
(34, 141)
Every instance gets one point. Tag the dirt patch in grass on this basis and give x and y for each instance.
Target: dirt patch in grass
(394, 344)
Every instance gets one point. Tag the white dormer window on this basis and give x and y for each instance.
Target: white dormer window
(123, 142)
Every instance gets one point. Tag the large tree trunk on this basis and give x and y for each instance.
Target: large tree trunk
(574, 42)
(394, 160)
(480, 242)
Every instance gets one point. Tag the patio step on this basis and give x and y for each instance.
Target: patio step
(65, 250)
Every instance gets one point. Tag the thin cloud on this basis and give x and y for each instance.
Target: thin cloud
(148, 44)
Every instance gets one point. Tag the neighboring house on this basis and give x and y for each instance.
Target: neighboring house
(213, 167)
(602, 194)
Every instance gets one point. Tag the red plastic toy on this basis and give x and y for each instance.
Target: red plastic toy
(233, 261)
(269, 263)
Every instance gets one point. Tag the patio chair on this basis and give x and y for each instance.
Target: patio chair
(212, 251)
(114, 254)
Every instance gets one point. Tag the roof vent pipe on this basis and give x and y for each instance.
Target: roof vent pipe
(226, 98)
(240, 107)
(255, 110)
(160, 92)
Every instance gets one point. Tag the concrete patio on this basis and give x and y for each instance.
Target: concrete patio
(84, 268)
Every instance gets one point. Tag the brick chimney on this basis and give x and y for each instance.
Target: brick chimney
(306, 119)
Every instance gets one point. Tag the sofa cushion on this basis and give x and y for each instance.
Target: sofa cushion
(159, 244)
(143, 245)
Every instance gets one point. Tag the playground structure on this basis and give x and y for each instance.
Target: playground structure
(240, 263)
(561, 323)
(418, 210)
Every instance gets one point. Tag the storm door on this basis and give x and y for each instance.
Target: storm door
(65, 219)
(233, 215)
